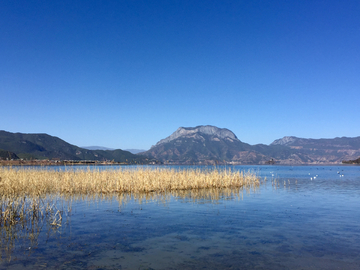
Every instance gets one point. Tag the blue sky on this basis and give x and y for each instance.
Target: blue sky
(125, 74)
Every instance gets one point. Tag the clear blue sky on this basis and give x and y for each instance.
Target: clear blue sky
(125, 74)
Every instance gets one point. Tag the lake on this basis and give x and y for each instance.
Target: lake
(301, 217)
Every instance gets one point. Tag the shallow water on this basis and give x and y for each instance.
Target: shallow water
(312, 221)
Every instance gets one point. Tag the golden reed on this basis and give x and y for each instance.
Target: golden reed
(31, 194)
(44, 181)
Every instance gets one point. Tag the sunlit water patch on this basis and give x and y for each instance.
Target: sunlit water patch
(304, 217)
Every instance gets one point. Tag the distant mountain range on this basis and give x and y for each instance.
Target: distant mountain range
(97, 148)
(213, 145)
(191, 145)
(43, 146)
(133, 151)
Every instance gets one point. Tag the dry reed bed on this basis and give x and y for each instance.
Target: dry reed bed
(19, 182)
(32, 197)
(28, 194)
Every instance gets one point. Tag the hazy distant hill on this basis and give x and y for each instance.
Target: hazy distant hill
(43, 146)
(323, 150)
(336, 143)
(135, 151)
(213, 145)
(98, 148)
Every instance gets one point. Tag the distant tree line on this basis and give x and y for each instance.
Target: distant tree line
(355, 161)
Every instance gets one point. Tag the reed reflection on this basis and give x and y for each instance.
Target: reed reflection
(35, 202)
(23, 219)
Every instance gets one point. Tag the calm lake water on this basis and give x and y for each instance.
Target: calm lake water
(301, 217)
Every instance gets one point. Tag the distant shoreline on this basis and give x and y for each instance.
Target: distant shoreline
(59, 162)
(109, 163)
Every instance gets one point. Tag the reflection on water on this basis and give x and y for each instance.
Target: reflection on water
(290, 222)
(23, 219)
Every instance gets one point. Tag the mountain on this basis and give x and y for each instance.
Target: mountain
(44, 146)
(135, 151)
(336, 143)
(222, 133)
(97, 148)
(323, 150)
(190, 145)
(213, 145)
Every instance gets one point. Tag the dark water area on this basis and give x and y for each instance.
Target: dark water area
(301, 217)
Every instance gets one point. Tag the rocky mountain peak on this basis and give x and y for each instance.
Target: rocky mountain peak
(221, 133)
(285, 140)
